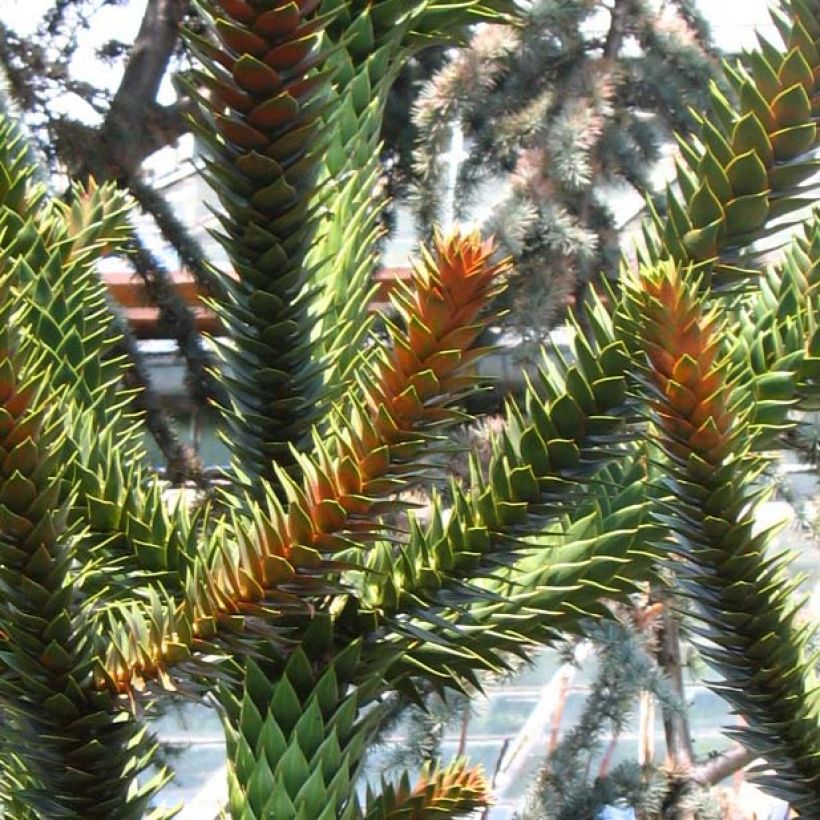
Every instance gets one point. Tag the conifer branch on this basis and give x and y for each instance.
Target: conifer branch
(751, 162)
(280, 555)
(189, 250)
(181, 461)
(47, 687)
(744, 598)
(177, 319)
(454, 791)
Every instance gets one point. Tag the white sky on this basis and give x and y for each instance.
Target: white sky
(121, 23)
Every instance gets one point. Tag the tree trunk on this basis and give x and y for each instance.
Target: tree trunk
(679, 753)
(680, 756)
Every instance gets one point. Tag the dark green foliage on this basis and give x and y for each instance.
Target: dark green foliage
(264, 160)
(747, 607)
(91, 756)
(752, 160)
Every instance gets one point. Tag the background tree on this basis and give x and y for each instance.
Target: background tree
(563, 112)
(578, 777)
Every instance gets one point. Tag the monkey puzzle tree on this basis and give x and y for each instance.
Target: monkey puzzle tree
(287, 596)
(86, 128)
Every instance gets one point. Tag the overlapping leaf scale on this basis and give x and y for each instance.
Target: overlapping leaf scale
(132, 536)
(267, 556)
(748, 606)
(51, 251)
(364, 25)
(803, 267)
(601, 553)
(379, 443)
(128, 536)
(344, 255)
(227, 594)
(12, 782)
(344, 258)
(446, 792)
(123, 534)
(92, 222)
(776, 344)
(752, 163)
(574, 423)
(18, 193)
(560, 580)
(387, 438)
(71, 324)
(262, 127)
(93, 756)
(567, 430)
(296, 733)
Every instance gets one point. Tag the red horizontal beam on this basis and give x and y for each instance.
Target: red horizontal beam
(143, 316)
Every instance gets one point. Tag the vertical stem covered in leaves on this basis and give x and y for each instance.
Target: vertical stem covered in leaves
(81, 758)
(371, 44)
(747, 605)
(181, 461)
(190, 252)
(288, 548)
(263, 130)
(176, 319)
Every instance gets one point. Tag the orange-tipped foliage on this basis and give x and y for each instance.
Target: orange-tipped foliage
(90, 761)
(463, 787)
(682, 344)
(262, 130)
(405, 394)
(440, 309)
(444, 793)
(281, 558)
(748, 608)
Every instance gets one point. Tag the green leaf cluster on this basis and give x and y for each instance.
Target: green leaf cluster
(752, 163)
(289, 596)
